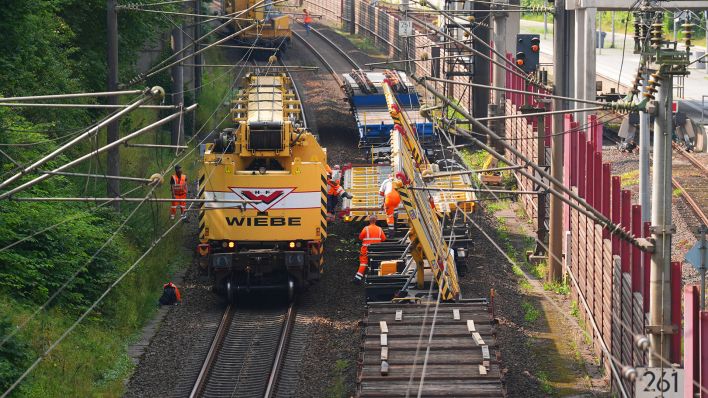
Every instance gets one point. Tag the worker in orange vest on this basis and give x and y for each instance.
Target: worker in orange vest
(391, 200)
(170, 294)
(178, 184)
(307, 20)
(334, 191)
(371, 234)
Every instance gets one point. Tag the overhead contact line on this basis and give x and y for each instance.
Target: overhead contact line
(582, 205)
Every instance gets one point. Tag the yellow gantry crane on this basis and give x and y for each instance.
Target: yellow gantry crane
(429, 249)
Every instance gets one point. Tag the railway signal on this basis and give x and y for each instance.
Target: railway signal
(528, 49)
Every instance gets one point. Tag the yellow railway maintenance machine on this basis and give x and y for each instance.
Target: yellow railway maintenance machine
(271, 29)
(436, 241)
(269, 157)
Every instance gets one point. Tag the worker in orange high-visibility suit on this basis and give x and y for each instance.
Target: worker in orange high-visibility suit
(334, 191)
(307, 21)
(391, 200)
(178, 184)
(371, 234)
(170, 294)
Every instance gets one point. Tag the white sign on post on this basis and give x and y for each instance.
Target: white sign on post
(657, 382)
(405, 28)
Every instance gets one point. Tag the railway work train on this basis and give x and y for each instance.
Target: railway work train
(272, 28)
(269, 157)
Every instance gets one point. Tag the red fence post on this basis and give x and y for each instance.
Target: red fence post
(597, 178)
(582, 163)
(637, 285)
(606, 195)
(676, 283)
(615, 197)
(568, 164)
(625, 216)
(589, 168)
(508, 78)
(691, 334)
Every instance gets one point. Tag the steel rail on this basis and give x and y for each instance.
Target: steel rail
(691, 203)
(288, 325)
(339, 49)
(226, 320)
(321, 58)
(700, 212)
(690, 158)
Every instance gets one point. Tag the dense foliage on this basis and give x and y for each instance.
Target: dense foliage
(59, 46)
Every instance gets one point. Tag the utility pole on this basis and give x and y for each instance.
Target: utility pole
(496, 105)
(661, 227)
(480, 96)
(561, 75)
(405, 6)
(612, 45)
(195, 47)
(499, 16)
(644, 145)
(177, 87)
(113, 162)
(352, 23)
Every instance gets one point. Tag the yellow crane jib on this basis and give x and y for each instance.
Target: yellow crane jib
(403, 126)
(426, 231)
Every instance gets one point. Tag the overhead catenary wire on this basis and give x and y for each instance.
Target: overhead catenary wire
(506, 64)
(158, 68)
(71, 95)
(582, 205)
(124, 199)
(217, 108)
(113, 144)
(123, 178)
(149, 94)
(88, 311)
(516, 91)
(87, 106)
(604, 348)
(161, 3)
(78, 321)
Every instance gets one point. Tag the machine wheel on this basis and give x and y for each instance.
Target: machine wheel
(230, 292)
(291, 289)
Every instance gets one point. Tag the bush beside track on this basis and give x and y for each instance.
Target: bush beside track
(67, 55)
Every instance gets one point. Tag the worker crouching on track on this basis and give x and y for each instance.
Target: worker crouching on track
(170, 294)
(178, 184)
(371, 234)
(334, 191)
(391, 200)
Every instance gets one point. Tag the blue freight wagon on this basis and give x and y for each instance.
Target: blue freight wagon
(370, 110)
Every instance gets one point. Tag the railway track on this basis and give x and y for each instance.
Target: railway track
(247, 357)
(336, 65)
(690, 176)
